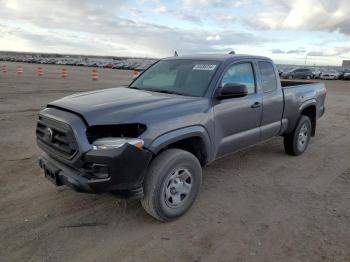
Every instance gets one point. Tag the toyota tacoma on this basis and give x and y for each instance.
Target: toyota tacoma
(150, 140)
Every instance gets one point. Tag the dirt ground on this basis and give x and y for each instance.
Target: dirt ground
(257, 205)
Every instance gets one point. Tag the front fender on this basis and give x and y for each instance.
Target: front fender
(180, 134)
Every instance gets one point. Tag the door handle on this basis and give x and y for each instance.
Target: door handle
(256, 105)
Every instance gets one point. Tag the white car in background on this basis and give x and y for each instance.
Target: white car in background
(317, 73)
(330, 75)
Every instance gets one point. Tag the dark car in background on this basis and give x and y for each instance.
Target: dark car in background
(300, 73)
(345, 74)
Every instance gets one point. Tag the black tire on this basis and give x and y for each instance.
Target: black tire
(292, 144)
(162, 174)
(308, 77)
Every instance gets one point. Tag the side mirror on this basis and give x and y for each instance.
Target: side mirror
(231, 90)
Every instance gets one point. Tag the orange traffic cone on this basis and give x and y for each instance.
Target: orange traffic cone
(64, 73)
(40, 71)
(19, 70)
(94, 74)
(4, 69)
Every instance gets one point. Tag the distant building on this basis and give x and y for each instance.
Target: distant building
(346, 63)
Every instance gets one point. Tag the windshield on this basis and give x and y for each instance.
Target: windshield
(178, 76)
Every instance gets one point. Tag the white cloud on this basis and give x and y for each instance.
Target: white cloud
(336, 51)
(217, 3)
(203, 2)
(160, 9)
(213, 38)
(292, 51)
(329, 15)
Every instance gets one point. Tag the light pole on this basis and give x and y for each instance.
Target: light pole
(306, 58)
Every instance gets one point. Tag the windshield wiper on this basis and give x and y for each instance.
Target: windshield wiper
(134, 87)
(157, 90)
(165, 91)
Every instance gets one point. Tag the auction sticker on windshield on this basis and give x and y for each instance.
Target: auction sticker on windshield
(204, 67)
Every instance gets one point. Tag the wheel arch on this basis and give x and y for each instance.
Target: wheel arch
(309, 109)
(194, 139)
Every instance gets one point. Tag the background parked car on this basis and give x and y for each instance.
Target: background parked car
(343, 72)
(109, 65)
(301, 73)
(316, 73)
(346, 75)
(330, 75)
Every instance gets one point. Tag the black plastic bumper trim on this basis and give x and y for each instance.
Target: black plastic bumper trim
(127, 167)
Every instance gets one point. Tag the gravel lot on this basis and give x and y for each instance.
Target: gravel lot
(256, 205)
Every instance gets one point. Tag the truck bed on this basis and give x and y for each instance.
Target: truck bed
(296, 95)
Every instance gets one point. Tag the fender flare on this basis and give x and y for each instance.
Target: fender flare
(294, 120)
(180, 134)
(307, 103)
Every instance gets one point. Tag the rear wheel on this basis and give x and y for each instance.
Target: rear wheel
(308, 77)
(296, 142)
(171, 184)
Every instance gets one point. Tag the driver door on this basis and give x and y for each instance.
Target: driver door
(237, 120)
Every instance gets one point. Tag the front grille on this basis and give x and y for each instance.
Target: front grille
(56, 137)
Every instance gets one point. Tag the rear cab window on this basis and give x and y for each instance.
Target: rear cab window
(268, 76)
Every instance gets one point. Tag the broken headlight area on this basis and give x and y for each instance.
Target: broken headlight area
(115, 136)
(116, 142)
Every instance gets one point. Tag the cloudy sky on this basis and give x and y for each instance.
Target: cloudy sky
(286, 30)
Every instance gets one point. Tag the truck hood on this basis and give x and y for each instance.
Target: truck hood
(126, 105)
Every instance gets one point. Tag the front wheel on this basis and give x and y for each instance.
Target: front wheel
(171, 184)
(296, 142)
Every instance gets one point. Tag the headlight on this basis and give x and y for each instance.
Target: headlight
(116, 142)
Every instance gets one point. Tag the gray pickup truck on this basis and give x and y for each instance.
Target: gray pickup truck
(150, 140)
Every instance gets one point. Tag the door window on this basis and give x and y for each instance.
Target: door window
(241, 73)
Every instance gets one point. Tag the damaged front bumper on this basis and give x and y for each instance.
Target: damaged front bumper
(121, 170)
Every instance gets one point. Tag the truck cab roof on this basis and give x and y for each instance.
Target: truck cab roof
(217, 57)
